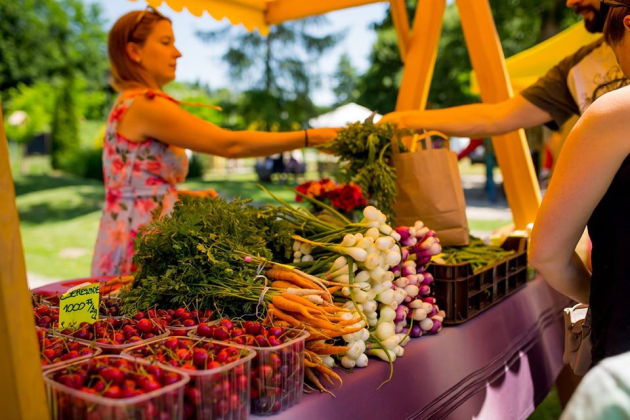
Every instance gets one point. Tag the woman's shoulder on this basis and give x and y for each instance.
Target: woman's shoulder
(148, 101)
(611, 104)
(609, 118)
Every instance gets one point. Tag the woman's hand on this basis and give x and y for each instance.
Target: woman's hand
(317, 136)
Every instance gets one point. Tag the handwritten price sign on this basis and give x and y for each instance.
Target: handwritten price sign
(79, 305)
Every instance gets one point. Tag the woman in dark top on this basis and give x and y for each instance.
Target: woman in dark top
(591, 187)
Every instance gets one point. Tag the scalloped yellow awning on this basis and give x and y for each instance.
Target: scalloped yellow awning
(259, 14)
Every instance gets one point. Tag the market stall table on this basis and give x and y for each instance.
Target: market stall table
(498, 365)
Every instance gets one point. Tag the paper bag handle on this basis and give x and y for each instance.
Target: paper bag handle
(426, 136)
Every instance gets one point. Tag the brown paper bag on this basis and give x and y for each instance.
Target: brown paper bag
(429, 188)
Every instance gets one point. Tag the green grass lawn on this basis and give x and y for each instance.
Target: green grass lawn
(549, 409)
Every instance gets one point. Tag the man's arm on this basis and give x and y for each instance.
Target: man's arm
(476, 120)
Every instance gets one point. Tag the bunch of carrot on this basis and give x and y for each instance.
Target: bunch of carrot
(306, 302)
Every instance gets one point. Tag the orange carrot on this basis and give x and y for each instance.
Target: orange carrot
(316, 334)
(302, 301)
(334, 289)
(324, 349)
(327, 372)
(308, 363)
(317, 322)
(277, 313)
(288, 305)
(352, 330)
(282, 284)
(310, 375)
(343, 322)
(283, 275)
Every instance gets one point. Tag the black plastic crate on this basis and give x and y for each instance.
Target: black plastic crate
(463, 294)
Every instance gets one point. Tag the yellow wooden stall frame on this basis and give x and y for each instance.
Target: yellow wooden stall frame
(22, 394)
(519, 178)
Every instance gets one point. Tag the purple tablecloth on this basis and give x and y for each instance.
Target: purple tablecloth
(499, 365)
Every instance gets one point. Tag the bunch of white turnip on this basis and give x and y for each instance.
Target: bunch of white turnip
(385, 282)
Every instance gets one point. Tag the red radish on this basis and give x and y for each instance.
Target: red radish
(144, 325)
(274, 341)
(170, 378)
(200, 357)
(149, 384)
(252, 327)
(112, 392)
(172, 343)
(213, 365)
(226, 323)
(183, 354)
(204, 330)
(112, 374)
(237, 332)
(276, 331)
(194, 395)
(221, 333)
(156, 371)
(262, 341)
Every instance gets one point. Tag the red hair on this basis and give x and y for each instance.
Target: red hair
(126, 73)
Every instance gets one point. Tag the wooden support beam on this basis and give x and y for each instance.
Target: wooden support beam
(513, 155)
(279, 11)
(401, 23)
(22, 395)
(421, 54)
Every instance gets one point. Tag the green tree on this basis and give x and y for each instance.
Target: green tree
(53, 67)
(280, 71)
(346, 80)
(520, 25)
(35, 103)
(379, 84)
(43, 39)
(64, 130)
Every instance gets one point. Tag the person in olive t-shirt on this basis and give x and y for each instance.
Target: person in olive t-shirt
(567, 89)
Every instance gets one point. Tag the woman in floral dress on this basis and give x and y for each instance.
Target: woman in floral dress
(147, 132)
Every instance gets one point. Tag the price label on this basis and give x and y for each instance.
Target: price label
(79, 304)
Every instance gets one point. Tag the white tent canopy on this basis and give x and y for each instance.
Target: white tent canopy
(343, 115)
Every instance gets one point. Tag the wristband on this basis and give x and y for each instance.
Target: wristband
(305, 138)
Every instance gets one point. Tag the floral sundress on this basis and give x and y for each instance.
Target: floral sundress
(139, 176)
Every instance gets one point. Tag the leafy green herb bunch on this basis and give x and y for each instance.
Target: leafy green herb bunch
(365, 152)
(198, 253)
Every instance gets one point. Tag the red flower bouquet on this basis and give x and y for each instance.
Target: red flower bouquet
(344, 198)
